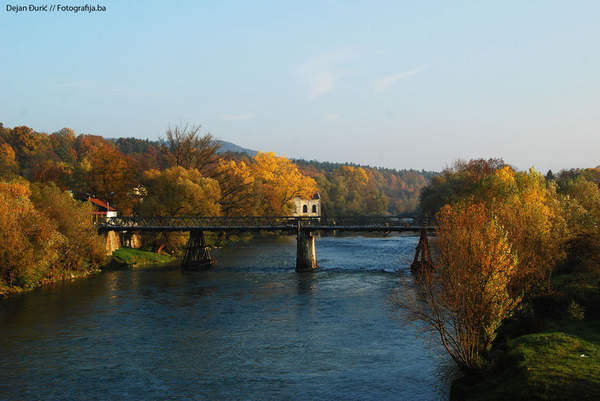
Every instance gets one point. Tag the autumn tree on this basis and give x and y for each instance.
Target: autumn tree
(111, 176)
(466, 298)
(87, 145)
(350, 190)
(582, 210)
(236, 181)
(8, 163)
(191, 150)
(80, 247)
(177, 191)
(52, 171)
(388, 191)
(278, 182)
(531, 212)
(528, 207)
(63, 142)
(28, 246)
(456, 183)
(46, 235)
(30, 147)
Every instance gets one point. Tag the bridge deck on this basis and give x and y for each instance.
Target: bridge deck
(290, 224)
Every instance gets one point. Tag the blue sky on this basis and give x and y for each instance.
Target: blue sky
(397, 84)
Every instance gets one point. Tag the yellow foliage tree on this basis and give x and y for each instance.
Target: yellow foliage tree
(531, 212)
(27, 238)
(8, 163)
(177, 191)
(279, 182)
(236, 181)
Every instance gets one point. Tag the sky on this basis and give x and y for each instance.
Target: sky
(399, 84)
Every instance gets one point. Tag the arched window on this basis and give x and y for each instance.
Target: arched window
(314, 209)
(305, 209)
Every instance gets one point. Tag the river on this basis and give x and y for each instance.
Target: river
(249, 329)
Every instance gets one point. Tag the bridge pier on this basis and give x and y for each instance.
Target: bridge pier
(113, 242)
(422, 258)
(197, 253)
(306, 255)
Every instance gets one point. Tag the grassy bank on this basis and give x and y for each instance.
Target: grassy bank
(554, 355)
(138, 258)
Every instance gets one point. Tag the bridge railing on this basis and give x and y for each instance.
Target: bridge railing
(361, 221)
(198, 221)
(275, 222)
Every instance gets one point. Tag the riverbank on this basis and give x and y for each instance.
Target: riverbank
(134, 258)
(6, 291)
(552, 354)
(121, 258)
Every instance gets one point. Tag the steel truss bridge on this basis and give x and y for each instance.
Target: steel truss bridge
(250, 223)
(197, 255)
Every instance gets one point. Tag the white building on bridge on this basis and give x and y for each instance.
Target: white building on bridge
(307, 207)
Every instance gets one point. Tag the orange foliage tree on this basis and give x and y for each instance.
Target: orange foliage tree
(111, 176)
(467, 297)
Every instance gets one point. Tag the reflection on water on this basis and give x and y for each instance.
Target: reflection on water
(249, 329)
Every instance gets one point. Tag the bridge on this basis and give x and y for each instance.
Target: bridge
(197, 255)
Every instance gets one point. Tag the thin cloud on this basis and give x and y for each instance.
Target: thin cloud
(321, 73)
(237, 117)
(386, 82)
(320, 83)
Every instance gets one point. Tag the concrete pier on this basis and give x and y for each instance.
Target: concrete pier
(113, 242)
(306, 256)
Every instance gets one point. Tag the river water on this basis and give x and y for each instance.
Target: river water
(250, 329)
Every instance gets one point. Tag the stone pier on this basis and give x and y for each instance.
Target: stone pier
(113, 242)
(306, 256)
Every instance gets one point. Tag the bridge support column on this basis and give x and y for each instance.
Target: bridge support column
(113, 242)
(197, 253)
(306, 255)
(422, 258)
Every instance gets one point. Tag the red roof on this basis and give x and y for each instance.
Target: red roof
(102, 204)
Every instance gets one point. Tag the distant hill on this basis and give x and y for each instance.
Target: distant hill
(225, 147)
(136, 145)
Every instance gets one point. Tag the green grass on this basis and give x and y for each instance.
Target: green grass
(544, 366)
(138, 257)
(543, 361)
(554, 368)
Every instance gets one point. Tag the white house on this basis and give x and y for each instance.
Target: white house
(307, 207)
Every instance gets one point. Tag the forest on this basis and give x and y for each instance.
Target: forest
(47, 178)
